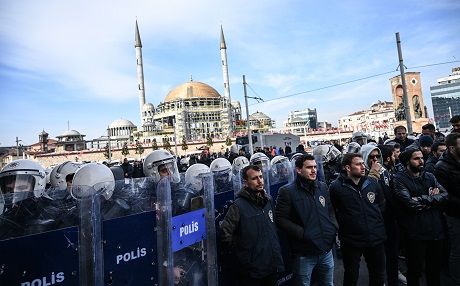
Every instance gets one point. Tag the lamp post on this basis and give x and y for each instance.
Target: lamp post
(247, 114)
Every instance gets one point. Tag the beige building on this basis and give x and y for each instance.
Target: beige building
(416, 106)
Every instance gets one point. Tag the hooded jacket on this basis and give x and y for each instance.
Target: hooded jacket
(365, 151)
(447, 171)
(420, 219)
(305, 213)
(250, 226)
(358, 210)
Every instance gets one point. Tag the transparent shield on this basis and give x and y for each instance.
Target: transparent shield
(281, 170)
(188, 236)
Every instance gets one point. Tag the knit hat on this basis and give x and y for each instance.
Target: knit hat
(405, 156)
(425, 141)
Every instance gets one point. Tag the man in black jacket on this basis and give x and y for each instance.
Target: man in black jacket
(304, 212)
(401, 137)
(249, 226)
(358, 202)
(447, 171)
(420, 199)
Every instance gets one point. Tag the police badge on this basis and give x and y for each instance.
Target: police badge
(322, 201)
(371, 197)
(270, 215)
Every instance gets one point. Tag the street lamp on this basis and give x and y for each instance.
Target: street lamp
(305, 131)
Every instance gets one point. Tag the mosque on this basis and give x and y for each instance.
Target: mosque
(192, 110)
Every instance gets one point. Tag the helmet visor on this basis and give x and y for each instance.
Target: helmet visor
(15, 188)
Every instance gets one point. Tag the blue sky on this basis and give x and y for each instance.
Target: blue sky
(72, 63)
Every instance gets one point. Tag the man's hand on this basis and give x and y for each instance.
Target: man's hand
(376, 166)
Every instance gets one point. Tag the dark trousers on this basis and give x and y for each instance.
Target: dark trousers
(391, 253)
(375, 260)
(424, 254)
(270, 280)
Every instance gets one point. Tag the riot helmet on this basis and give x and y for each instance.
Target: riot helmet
(327, 153)
(160, 163)
(238, 164)
(359, 137)
(59, 173)
(183, 161)
(353, 147)
(281, 167)
(221, 168)
(261, 160)
(193, 176)
(93, 178)
(22, 179)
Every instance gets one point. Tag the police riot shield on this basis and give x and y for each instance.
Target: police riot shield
(36, 247)
(330, 158)
(129, 233)
(189, 235)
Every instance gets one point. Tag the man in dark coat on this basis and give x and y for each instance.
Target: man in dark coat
(447, 171)
(249, 226)
(304, 212)
(420, 199)
(358, 202)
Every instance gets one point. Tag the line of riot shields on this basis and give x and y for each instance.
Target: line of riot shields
(103, 229)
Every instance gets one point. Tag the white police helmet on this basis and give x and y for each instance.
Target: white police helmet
(239, 163)
(327, 153)
(193, 176)
(221, 167)
(59, 173)
(279, 163)
(183, 161)
(159, 158)
(23, 175)
(353, 147)
(93, 178)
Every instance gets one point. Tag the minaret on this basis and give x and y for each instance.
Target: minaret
(223, 54)
(140, 70)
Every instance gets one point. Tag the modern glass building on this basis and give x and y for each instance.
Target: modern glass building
(446, 98)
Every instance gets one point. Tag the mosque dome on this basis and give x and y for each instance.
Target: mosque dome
(259, 116)
(192, 89)
(121, 123)
(71, 133)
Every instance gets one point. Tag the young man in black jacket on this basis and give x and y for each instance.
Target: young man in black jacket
(304, 212)
(358, 202)
(447, 171)
(249, 226)
(420, 199)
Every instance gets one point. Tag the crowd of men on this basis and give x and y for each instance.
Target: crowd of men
(399, 198)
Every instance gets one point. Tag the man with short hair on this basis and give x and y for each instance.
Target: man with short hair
(420, 199)
(455, 122)
(358, 202)
(401, 137)
(447, 171)
(437, 148)
(304, 212)
(429, 129)
(249, 226)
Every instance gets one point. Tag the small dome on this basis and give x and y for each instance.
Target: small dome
(191, 89)
(71, 133)
(259, 116)
(148, 106)
(148, 123)
(121, 123)
(43, 133)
